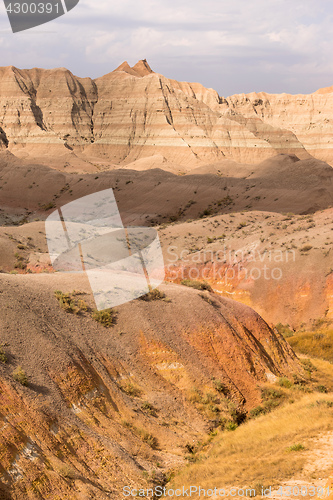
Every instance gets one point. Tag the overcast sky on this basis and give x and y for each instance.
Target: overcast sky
(233, 46)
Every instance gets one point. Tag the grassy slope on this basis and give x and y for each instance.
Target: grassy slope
(318, 344)
(260, 451)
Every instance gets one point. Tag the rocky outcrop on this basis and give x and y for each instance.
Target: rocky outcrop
(133, 113)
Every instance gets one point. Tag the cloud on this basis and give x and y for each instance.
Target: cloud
(239, 46)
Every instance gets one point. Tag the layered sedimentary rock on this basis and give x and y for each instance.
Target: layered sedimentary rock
(133, 113)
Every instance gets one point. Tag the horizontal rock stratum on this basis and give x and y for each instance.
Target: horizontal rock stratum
(133, 112)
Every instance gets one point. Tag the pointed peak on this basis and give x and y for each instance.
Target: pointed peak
(126, 68)
(142, 68)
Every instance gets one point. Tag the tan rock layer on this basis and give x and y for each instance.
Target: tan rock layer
(131, 113)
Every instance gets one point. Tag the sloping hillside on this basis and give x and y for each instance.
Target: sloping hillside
(109, 407)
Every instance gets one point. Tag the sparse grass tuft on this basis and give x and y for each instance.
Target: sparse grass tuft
(106, 317)
(231, 426)
(3, 356)
(285, 382)
(131, 389)
(284, 330)
(198, 285)
(321, 388)
(308, 365)
(148, 438)
(296, 447)
(155, 294)
(48, 206)
(306, 248)
(70, 303)
(20, 376)
(149, 408)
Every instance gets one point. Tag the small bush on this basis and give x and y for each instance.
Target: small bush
(20, 376)
(308, 365)
(148, 438)
(257, 411)
(296, 447)
(131, 389)
(231, 426)
(155, 294)
(206, 213)
(106, 317)
(209, 301)
(149, 408)
(20, 265)
(198, 285)
(220, 387)
(285, 382)
(3, 356)
(269, 393)
(321, 388)
(307, 248)
(69, 303)
(48, 206)
(284, 330)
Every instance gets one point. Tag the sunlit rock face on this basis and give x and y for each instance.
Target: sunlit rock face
(132, 113)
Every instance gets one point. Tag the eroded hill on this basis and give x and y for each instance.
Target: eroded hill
(133, 113)
(107, 407)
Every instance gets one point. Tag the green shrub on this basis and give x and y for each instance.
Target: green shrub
(225, 201)
(148, 438)
(231, 426)
(209, 301)
(198, 285)
(149, 408)
(257, 411)
(271, 397)
(20, 265)
(269, 393)
(3, 356)
(155, 294)
(130, 389)
(70, 303)
(20, 376)
(296, 447)
(206, 213)
(284, 330)
(220, 387)
(106, 317)
(285, 382)
(307, 248)
(48, 206)
(321, 388)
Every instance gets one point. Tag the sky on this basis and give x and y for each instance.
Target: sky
(233, 46)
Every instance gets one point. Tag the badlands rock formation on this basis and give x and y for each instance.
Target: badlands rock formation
(109, 407)
(133, 113)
